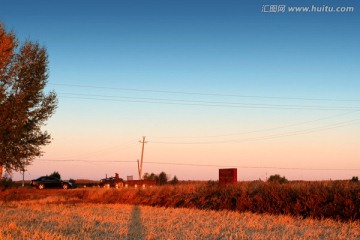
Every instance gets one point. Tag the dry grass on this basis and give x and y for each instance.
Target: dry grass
(338, 200)
(42, 219)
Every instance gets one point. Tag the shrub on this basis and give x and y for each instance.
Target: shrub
(354, 179)
(6, 182)
(174, 181)
(277, 178)
(163, 178)
(212, 183)
(151, 176)
(160, 179)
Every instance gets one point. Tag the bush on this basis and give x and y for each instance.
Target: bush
(163, 178)
(354, 179)
(6, 182)
(160, 179)
(277, 178)
(151, 176)
(174, 181)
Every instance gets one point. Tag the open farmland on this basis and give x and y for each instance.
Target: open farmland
(42, 219)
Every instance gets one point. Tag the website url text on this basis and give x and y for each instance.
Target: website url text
(307, 9)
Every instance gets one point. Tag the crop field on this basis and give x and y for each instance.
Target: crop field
(47, 219)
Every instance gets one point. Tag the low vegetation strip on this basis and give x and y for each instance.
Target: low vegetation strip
(36, 219)
(339, 200)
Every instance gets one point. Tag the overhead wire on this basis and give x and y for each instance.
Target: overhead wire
(168, 101)
(203, 165)
(273, 136)
(81, 160)
(254, 167)
(232, 104)
(203, 93)
(212, 103)
(256, 131)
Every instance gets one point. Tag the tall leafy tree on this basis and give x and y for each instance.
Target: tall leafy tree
(24, 105)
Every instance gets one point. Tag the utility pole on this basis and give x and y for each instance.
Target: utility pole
(142, 158)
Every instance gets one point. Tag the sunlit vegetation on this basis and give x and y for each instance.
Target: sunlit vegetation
(25, 106)
(277, 178)
(290, 210)
(46, 219)
(338, 200)
(160, 179)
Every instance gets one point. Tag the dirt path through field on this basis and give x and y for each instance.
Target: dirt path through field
(136, 227)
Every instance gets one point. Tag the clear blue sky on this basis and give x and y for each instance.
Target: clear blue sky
(154, 65)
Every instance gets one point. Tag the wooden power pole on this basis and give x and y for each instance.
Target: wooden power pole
(142, 158)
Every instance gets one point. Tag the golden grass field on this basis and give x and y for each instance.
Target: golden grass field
(47, 219)
(337, 200)
(185, 211)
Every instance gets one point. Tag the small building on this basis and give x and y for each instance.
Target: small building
(227, 176)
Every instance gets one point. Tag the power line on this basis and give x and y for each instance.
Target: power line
(204, 165)
(82, 160)
(273, 136)
(254, 167)
(206, 103)
(205, 94)
(259, 130)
